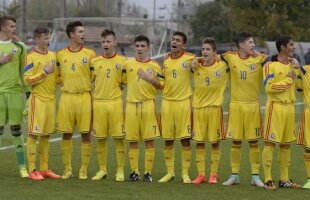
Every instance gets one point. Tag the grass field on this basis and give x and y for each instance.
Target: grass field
(13, 187)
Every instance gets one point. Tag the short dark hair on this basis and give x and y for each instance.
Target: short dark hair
(142, 38)
(242, 37)
(179, 33)
(71, 27)
(6, 18)
(38, 31)
(211, 41)
(282, 40)
(107, 32)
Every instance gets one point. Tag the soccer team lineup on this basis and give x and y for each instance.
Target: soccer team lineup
(191, 111)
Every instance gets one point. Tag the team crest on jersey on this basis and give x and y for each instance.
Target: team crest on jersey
(253, 67)
(13, 50)
(150, 71)
(84, 60)
(184, 65)
(273, 136)
(117, 66)
(217, 73)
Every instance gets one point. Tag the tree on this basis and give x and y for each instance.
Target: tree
(211, 20)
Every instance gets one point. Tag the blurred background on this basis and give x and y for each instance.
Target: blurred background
(157, 19)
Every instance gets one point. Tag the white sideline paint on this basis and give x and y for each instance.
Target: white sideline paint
(76, 136)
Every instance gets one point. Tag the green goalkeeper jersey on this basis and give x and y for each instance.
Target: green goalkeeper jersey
(11, 72)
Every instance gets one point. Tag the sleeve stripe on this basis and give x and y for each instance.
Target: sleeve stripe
(268, 77)
(266, 60)
(35, 80)
(28, 67)
(227, 70)
(223, 59)
(303, 70)
(160, 76)
(299, 77)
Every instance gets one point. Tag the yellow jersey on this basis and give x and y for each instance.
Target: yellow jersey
(138, 89)
(210, 83)
(278, 86)
(177, 73)
(303, 82)
(246, 76)
(75, 71)
(108, 77)
(43, 85)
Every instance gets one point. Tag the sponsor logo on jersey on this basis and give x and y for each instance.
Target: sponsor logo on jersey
(252, 67)
(117, 66)
(217, 73)
(13, 50)
(84, 60)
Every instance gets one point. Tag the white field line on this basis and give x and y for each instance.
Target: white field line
(76, 136)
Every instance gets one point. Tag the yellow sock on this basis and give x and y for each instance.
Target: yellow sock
(43, 150)
(102, 154)
(215, 160)
(307, 163)
(201, 161)
(169, 159)
(66, 151)
(85, 156)
(186, 159)
(284, 162)
(120, 154)
(235, 158)
(148, 160)
(31, 153)
(254, 158)
(267, 161)
(134, 160)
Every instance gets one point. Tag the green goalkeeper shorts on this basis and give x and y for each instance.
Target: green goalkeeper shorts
(11, 109)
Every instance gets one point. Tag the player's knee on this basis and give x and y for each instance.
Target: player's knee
(237, 143)
(16, 130)
(200, 145)
(186, 142)
(149, 144)
(285, 146)
(133, 145)
(169, 143)
(216, 145)
(86, 137)
(1, 130)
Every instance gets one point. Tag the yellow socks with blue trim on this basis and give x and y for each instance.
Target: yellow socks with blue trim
(267, 156)
(201, 161)
(235, 158)
(31, 153)
(102, 154)
(149, 159)
(66, 151)
(254, 158)
(43, 151)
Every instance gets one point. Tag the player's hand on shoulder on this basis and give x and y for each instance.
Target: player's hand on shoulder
(294, 62)
(196, 61)
(255, 53)
(5, 58)
(49, 68)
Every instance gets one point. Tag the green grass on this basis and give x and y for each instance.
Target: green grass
(13, 187)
